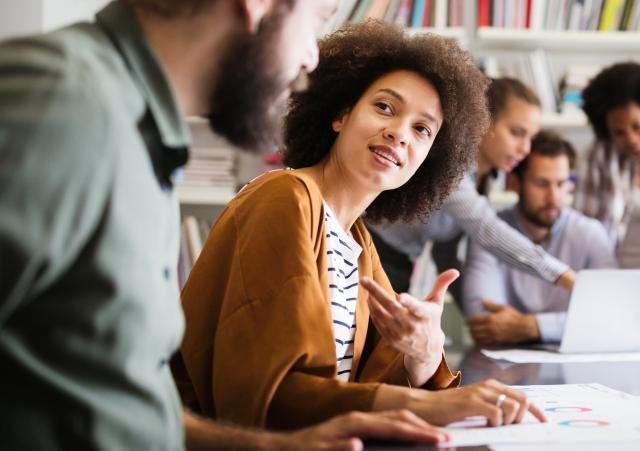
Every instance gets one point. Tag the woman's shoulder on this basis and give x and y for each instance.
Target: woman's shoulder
(289, 182)
(281, 188)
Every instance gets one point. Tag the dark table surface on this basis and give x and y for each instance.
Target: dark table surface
(475, 367)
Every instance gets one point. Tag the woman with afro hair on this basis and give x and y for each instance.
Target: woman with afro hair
(290, 318)
(609, 180)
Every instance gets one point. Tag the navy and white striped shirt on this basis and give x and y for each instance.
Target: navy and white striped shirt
(342, 263)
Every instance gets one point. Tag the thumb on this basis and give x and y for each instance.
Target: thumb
(492, 306)
(441, 284)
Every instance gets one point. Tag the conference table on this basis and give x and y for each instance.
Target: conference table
(475, 367)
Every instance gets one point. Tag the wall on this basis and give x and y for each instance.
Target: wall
(19, 17)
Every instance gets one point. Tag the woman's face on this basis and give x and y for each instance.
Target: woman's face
(388, 133)
(508, 140)
(624, 128)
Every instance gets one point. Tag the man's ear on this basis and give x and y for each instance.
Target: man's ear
(254, 11)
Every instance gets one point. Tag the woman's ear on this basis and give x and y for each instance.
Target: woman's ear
(338, 122)
(337, 125)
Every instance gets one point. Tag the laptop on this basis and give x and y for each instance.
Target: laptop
(604, 313)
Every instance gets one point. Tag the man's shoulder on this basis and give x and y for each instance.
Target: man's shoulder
(78, 62)
(579, 221)
(64, 91)
(509, 215)
(61, 52)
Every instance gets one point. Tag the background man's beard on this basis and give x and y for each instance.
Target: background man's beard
(249, 116)
(535, 218)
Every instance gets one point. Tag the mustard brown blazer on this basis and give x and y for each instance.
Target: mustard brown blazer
(259, 347)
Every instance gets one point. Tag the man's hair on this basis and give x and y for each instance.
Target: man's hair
(502, 89)
(614, 87)
(352, 59)
(547, 144)
(170, 8)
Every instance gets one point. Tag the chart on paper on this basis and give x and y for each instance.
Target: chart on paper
(587, 413)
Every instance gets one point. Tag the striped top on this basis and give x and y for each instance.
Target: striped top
(342, 264)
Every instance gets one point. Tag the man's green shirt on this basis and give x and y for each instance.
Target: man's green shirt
(90, 134)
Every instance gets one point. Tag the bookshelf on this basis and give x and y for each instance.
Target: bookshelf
(563, 33)
(203, 195)
(589, 41)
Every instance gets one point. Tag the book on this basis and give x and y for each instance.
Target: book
(497, 19)
(404, 13)
(341, 16)
(360, 10)
(538, 9)
(427, 16)
(483, 13)
(377, 9)
(611, 15)
(456, 13)
(575, 15)
(440, 13)
(417, 13)
(392, 10)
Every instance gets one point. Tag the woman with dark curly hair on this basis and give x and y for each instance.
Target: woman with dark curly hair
(515, 119)
(290, 317)
(610, 179)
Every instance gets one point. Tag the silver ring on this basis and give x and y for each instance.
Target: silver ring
(500, 400)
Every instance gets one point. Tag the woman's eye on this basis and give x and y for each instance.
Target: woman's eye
(383, 106)
(423, 130)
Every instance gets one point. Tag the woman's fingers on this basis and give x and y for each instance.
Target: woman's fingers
(441, 284)
(501, 404)
(384, 299)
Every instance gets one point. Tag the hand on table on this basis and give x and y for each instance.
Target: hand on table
(447, 406)
(346, 431)
(502, 325)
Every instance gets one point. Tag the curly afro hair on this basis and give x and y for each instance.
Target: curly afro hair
(354, 57)
(615, 86)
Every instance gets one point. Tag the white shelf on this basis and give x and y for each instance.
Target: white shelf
(458, 33)
(564, 120)
(203, 195)
(574, 40)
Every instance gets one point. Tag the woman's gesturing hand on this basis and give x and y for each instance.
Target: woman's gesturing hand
(412, 326)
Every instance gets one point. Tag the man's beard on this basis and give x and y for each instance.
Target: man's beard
(536, 218)
(250, 97)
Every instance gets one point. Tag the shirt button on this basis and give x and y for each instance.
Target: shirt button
(167, 272)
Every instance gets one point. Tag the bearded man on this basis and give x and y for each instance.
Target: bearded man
(507, 306)
(91, 132)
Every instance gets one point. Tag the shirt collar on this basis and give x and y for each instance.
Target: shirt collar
(122, 27)
(556, 228)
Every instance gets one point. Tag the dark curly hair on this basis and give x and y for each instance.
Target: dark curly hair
(615, 86)
(354, 57)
